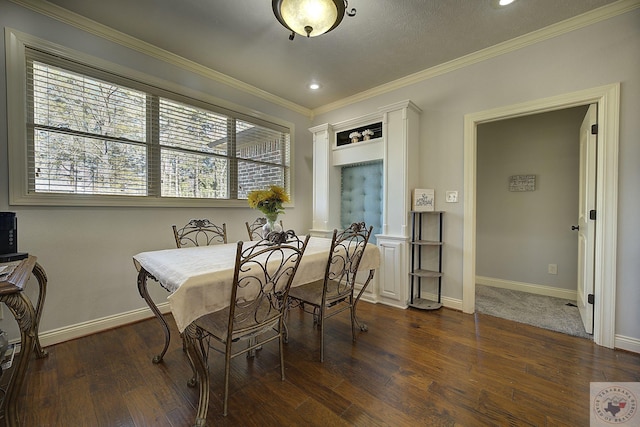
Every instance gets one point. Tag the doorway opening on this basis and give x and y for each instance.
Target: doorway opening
(607, 98)
(527, 186)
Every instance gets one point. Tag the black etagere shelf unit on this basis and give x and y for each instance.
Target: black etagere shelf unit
(420, 243)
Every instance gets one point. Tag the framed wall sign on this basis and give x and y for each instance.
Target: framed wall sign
(522, 183)
(423, 200)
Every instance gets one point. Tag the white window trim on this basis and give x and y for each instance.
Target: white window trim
(16, 43)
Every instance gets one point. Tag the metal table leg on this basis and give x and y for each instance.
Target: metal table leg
(201, 372)
(142, 289)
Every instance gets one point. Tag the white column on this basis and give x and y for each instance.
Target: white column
(324, 181)
(400, 126)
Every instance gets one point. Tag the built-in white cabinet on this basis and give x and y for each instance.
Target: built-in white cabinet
(395, 142)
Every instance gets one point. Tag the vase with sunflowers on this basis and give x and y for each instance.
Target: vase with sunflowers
(269, 202)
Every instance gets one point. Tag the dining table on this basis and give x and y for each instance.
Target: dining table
(199, 280)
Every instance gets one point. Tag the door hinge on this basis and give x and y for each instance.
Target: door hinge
(590, 298)
(594, 129)
(592, 214)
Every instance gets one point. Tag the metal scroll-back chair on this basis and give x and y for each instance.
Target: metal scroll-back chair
(261, 282)
(334, 293)
(199, 232)
(254, 230)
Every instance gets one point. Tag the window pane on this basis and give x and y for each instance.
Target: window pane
(259, 143)
(88, 132)
(257, 176)
(193, 175)
(66, 163)
(192, 128)
(63, 99)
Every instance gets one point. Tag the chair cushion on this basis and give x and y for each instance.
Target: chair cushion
(217, 323)
(312, 292)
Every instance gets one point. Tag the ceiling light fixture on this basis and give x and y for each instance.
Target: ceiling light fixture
(314, 86)
(310, 18)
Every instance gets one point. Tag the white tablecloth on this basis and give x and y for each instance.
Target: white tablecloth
(199, 278)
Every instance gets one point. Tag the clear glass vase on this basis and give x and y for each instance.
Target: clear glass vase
(271, 225)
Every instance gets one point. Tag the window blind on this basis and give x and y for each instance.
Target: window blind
(94, 133)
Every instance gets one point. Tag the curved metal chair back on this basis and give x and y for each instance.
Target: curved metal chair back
(334, 293)
(199, 232)
(262, 278)
(254, 230)
(347, 248)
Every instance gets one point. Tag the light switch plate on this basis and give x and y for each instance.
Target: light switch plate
(451, 197)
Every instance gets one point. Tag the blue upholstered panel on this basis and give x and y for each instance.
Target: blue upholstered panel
(361, 197)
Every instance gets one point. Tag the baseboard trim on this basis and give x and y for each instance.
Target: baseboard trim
(627, 343)
(528, 287)
(453, 303)
(56, 336)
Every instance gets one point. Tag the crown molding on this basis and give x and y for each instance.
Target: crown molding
(71, 18)
(108, 33)
(563, 27)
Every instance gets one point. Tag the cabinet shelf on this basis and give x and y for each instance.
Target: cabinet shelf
(425, 304)
(418, 272)
(427, 243)
(426, 273)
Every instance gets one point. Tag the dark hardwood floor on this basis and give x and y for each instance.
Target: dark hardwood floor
(412, 368)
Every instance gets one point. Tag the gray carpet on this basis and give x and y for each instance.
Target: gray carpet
(537, 310)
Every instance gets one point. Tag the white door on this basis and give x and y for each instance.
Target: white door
(586, 226)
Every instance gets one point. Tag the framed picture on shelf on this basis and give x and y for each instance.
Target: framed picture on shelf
(423, 200)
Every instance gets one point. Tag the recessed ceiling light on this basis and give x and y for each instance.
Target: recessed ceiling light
(505, 2)
(314, 86)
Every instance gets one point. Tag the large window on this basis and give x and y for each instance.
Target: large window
(97, 137)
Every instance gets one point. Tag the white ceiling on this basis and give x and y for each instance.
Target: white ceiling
(385, 41)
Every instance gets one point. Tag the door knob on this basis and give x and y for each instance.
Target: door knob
(575, 227)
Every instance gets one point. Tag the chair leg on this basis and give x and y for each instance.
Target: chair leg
(363, 327)
(252, 342)
(285, 332)
(281, 343)
(227, 368)
(321, 324)
(353, 321)
(316, 316)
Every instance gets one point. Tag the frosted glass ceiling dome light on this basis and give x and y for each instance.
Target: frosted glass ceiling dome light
(310, 18)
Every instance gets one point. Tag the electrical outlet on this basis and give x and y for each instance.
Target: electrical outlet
(451, 197)
(553, 269)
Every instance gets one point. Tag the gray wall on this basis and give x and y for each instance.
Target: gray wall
(87, 252)
(518, 234)
(600, 54)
